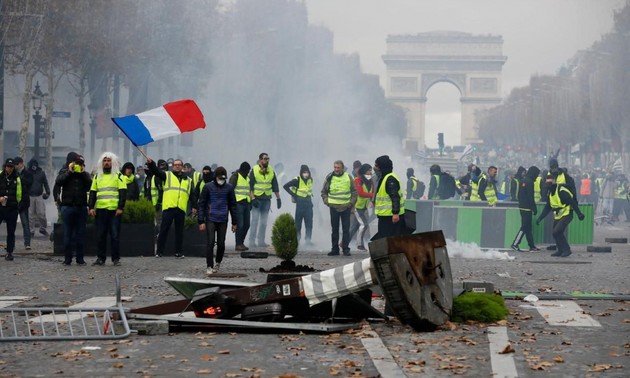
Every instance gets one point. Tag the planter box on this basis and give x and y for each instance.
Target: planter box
(135, 240)
(194, 242)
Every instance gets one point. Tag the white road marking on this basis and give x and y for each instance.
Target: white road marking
(10, 301)
(380, 356)
(94, 302)
(565, 313)
(503, 365)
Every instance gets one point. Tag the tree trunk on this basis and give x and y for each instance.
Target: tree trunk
(26, 110)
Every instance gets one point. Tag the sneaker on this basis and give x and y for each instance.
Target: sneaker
(80, 263)
(217, 266)
(346, 253)
(179, 255)
(66, 263)
(210, 271)
(566, 254)
(43, 232)
(116, 263)
(244, 246)
(240, 247)
(158, 255)
(557, 254)
(333, 253)
(27, 247)
(98, 262)
(361, 248)
(515, 248)
(534, 249)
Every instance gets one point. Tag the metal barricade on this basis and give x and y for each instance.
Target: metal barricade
(63, 323)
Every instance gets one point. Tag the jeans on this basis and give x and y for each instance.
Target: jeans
(335, 218)
(172, 215)
(26, 228)
(559, 228)
(220, 229)
(243, 214)
(74, 219)
(9, 215)
(304, 212)
(37, 213)
(360, 222)
(259, 222)
(107, 222)
(526, 230)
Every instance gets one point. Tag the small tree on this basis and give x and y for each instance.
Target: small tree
(284, 237)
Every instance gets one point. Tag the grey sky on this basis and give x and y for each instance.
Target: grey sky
(539, 36)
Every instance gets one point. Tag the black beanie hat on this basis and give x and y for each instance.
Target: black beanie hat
(364, 168)
(384, 163)
(410, 172)
(245, 168)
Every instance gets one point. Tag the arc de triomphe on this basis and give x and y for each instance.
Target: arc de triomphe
(472, 63)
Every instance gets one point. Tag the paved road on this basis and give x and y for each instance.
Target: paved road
(543, 345)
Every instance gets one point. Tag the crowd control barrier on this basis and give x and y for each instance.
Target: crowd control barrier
(493, 226)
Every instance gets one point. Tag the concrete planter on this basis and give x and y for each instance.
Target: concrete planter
(135, 240)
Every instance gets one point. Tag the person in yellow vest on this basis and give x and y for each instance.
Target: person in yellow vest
(537, 189)
(620, 198)
(240, 181)
(389, 202)
(434, 183)
(176, 194)
(301, 190)
(262, 182)
(365, 197)
(156, 191)
(563, 203)
(133, 190)
(340, 195)
(487, 190)
(11, 199)
(195, 176)
(108, 195)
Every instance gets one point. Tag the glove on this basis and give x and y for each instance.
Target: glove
(279, 203)
(581, 216)
(255, 203)
(45, 196)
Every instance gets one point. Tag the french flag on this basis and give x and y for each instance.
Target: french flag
(166, 121)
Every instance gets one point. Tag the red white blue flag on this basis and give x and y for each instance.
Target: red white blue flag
(166, 121)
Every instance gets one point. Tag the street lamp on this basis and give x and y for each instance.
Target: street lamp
(37, 99)
(92, 109)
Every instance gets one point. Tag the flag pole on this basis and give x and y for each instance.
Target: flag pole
(142, 152)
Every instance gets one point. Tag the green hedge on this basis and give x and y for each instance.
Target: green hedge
(140, 211)
(481, 307)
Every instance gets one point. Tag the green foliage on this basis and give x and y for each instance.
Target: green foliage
(140, 211)
(481, 307)
(284, 237)
(190, 222)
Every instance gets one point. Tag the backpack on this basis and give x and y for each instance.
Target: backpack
(447, 186)
(419, 192)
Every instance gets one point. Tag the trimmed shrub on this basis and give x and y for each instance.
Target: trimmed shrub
(481, 307)
(284, 237)
(140, 211)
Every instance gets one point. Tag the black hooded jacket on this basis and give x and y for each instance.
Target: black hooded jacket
(71, 188)
(40, 182)
(392, 186)
(526, 200)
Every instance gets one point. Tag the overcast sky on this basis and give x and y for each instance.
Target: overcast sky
(539, 36)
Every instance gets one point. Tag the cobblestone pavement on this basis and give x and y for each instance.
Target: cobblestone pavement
(540, 348)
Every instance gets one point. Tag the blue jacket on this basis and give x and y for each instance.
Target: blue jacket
(215, 202)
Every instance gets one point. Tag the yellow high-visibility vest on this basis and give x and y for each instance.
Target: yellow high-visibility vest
(559, 209)
(383, 202)
(106, 187)
(242, 188)
(339, 190)
(263, 182)
(176, 192)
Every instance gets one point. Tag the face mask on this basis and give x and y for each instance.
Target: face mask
(369, 177)
(305, 176)
(220, 182)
